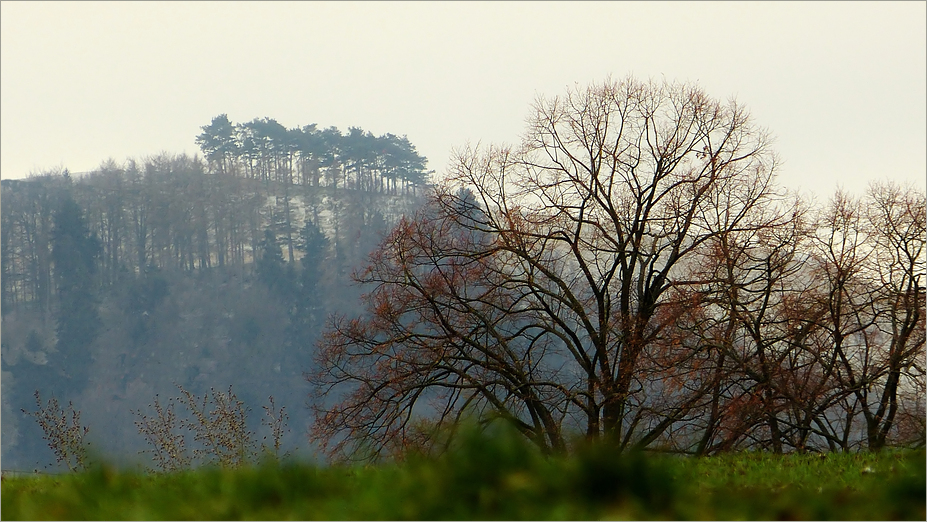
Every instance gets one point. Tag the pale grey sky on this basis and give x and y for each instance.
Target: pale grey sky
(843, 86)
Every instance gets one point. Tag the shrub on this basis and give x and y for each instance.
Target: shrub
(63, 431)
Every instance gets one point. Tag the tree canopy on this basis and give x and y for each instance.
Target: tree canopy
(631, 272)
(264, 149)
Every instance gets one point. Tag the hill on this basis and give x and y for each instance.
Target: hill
(193, 277)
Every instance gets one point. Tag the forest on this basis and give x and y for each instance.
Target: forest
(121, 283)
(628, 273)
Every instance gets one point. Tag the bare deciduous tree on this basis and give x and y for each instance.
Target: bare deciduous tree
(581, 238)
(898, 221)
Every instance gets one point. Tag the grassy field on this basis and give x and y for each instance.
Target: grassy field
(497, 478)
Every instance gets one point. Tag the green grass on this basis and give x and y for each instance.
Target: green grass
(497, 478)
(834, 486)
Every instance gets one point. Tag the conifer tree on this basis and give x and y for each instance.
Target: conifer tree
(308, 310)
(74, 253)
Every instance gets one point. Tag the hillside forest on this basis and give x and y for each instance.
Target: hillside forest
(202, 272)
(628, 272)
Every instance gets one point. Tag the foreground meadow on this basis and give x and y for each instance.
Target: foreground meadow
(496, 478)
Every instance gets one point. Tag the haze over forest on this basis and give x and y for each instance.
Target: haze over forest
(189, 272)
(631, 270)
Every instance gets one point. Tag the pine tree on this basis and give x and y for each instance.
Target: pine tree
(270, 267)
(74, 253)
(308, 309)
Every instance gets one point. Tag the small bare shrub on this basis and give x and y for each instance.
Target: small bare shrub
(63, 431)
(275, 419)
(160, 430)
(218, 422)
(222, 430)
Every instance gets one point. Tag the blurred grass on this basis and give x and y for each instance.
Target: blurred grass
(833, 486)
(496, 477)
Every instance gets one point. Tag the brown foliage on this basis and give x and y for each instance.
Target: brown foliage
(543, 292)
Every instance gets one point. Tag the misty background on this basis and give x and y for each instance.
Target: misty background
(102, 104)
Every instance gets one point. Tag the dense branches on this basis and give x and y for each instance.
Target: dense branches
(630, 272)
(585, 252)
(447, 336)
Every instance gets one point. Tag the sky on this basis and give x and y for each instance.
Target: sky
(841, 86)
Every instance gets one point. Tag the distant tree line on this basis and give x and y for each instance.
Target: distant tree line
(264, 149)
(119, 283)
(167, 212)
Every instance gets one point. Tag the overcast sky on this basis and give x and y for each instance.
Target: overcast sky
(843, 86)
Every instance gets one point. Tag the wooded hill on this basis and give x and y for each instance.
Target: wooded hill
(120, 283)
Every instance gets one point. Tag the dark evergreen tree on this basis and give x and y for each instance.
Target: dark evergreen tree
(308, 310)
(218, 144)
(270, 266)
(74, 253)
(310, 148)
(314, 246)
